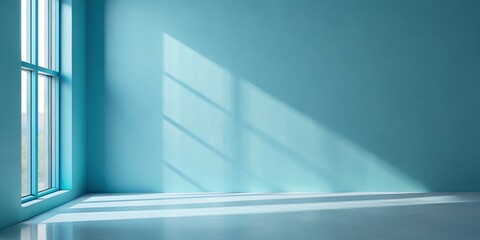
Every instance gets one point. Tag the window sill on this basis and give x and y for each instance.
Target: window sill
(44, 198)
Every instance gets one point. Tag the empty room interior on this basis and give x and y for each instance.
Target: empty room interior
(248, 119)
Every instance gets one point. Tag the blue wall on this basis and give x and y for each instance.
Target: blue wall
(10, 140)
(72, 116)
(282, 95)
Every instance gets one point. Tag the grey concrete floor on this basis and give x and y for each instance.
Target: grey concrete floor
(259, 216)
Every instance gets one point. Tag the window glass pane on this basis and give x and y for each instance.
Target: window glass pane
(53, 132)
(53, 34)
(43, 33)
(44, 130)
(25, 30)
(26, 188)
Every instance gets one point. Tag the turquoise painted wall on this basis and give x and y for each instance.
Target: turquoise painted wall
(95, 103)
(10, 144)
(282, 95)
(72, 111)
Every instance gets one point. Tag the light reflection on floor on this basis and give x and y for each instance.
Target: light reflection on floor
(259, 216)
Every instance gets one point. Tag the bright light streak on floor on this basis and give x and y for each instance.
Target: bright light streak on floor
(258, 216)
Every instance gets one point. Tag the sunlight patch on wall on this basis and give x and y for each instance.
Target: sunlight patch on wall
(301, 151)
(187, 154)
(197, 116)
(197, 71)
(251, 141)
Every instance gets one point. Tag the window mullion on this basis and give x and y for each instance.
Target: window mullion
(34, 112)
(56, 92)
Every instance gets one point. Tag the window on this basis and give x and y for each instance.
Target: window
(40, 87)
